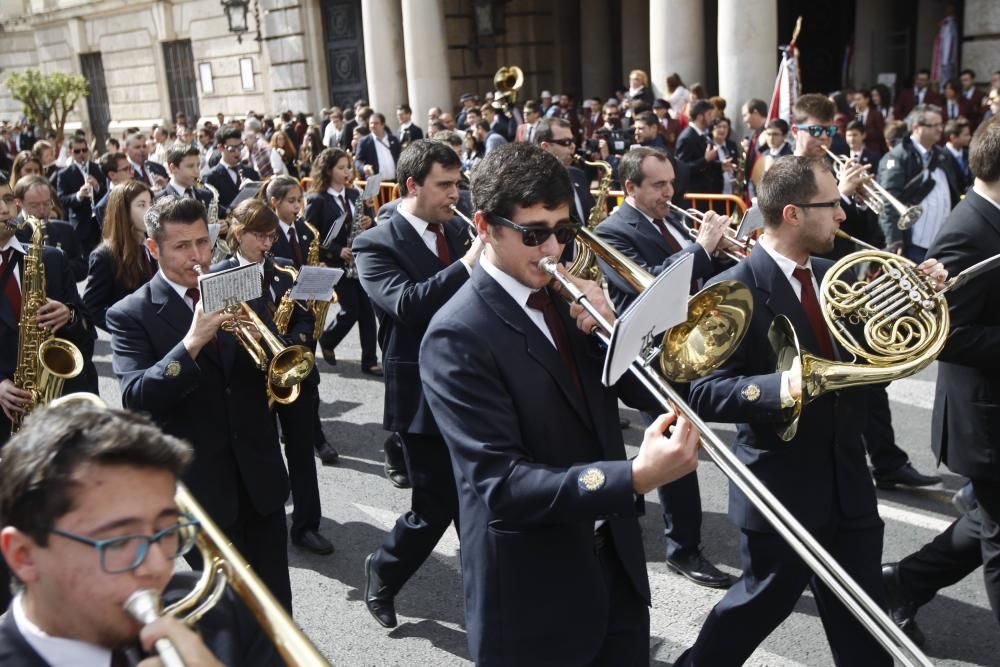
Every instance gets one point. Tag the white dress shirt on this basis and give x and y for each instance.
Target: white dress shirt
(180, 289)
(683, 240)
(519, 292)
(386, 163)
(936, 205)
(57, 651)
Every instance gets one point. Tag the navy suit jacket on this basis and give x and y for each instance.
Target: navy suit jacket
(690, 150)
(581, 184)
(219, 178)
(60, 235)
(628, 231)
(216, 402)
(523, 440)
(322, 210)
(368, 155)
(201, 194)
(79, 212)
(966, 415)
(282, 248)
(104, 288)
(822, 471)
(151, 169)
(408, 284)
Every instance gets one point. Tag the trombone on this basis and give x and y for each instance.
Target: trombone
(876, 197)
(724, 310)
(694, 215)
(473, 231)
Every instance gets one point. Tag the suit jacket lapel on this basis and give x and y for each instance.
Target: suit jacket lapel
(985, 209)
(538, 346)
(781, 298)
(426, 261)
(646, 230)
(175, 311)
(458, 238)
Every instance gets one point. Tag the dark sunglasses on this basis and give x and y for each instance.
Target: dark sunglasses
(232, 148)
(835, 203)
(566, 143)
(818, 130)
(535, 236)
(81, 150)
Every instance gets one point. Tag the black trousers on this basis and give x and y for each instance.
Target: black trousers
(354, 307)
(433, 506)
(263, 541)
(988, 497)
(879, 436)
(298, 425)
(626, 643)
(772, 582)
(945, 560)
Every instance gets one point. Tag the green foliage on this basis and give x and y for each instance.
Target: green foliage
(47, 99)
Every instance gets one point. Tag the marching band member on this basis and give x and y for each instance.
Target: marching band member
(552, 556)
(175, 362)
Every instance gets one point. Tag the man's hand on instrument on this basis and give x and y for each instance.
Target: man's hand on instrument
(365, 222)
(53, 315)
(471, 256)
(203, 329)
(595, 295)
(728, 165)
(369, 170)
(794, 375)
(13, 399)
(895, 248)
(711, 153)
(713, 226)
(347, 256)
(935, 269)
(187, 642)
(663, 457)
(851, 177)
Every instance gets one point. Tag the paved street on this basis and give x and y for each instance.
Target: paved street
(359, 505)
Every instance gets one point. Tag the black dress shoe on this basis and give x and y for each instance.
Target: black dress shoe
(395, 463)
(377, 598)
(905, 475)
(696, 568)
(375, 370)
(312, 541)
(902, 608)
(327, 454)
(329, 355)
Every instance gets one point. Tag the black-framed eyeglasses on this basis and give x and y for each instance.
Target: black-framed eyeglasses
(263, 238)
(565, 143)
(834, 203)
(537, 235)
(818, 130)
(127, 552)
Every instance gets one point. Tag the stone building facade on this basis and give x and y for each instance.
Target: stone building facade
(148, 59)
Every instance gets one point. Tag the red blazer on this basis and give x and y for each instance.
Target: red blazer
(908, 99)
(875, 131)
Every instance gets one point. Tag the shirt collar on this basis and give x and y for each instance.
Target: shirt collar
(419, 224)
(285, 228)
(135, 165)
(785, 265)
(516, 289)
(180, 289)
(335, 193)
(244, 261)
(920, 149)
(14, 243)
(57, 651)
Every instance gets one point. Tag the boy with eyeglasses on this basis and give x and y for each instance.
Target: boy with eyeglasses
(89, 517)
(552, 556)
(79, 186)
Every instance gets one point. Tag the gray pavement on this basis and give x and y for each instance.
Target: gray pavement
(359, 506)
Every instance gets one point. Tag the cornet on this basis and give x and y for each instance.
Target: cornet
(744, 245)
(875, 197)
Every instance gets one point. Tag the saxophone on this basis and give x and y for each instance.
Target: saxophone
(585, 264)
(221, 249)
(44, 362)
(283, 313)
(351, 270)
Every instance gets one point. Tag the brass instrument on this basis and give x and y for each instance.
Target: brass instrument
(221, 250)
(145, 606)
(876, 197)
(584, 264)
(473, 231)
(740, 174)
(727, 319)
(283, 313)
(285, 366)
(351, 268)
(44, 362)
(744, 245)
(312, 259)
(508, 80)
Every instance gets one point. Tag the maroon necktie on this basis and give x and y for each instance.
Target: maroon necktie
(349, 220)
(11, 290)
(444, 254)
(145, 176)
(811, 305)
(194, 294)
(540, 300)
(667, 236)
(293, 241)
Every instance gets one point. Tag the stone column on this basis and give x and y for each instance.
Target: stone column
(428, 77)
(635, 39)
(595, 49)
(748, 52)
(384, 63)
(676, 42)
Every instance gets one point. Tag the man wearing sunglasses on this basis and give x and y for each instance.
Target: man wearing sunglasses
(89, 517)
(552, 557)
(228, 175)
(79, 186)
(555, 136)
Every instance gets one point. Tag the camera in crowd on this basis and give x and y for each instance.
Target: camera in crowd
(618, 141)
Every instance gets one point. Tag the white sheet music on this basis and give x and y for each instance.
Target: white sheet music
(315, 283)
(372, 186)
(225, 288)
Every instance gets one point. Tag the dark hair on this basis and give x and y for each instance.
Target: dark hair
(450, 137)
(954, 127)
(227, 132)
(405, 108)
(482, 124)
(630, 167)
(109, 162)
(790, 179)
(417, 160)
(172, 209)
(250, 215)
(21, 159)
(376, 115)
(119, 235)
(864, 92)
(323, 163)
(815, 105)
(674, 81)
(649, 118)
(279, 186)
(954, 85)
(885, 95)
(520, 174)
(924, 70)
(531, 105)
(777, 124)
(177, 154)
(660, 103)
(758, 105)
(700, 107)
(543, 131)
(36, 474)
(969, 72)
(984, 151)
(855, 125)
(894, 132)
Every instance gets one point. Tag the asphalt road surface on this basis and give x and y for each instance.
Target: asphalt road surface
(359, 506)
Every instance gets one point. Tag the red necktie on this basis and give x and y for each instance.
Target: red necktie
(349, 220)
(443, 253)
(145, 176)
(194, 294)
(540, 300)
(11, 289)
(293, 241)
(667, 236)
(811, 305)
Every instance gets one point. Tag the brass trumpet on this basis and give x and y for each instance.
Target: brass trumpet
(744, 245)
(876, 197)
